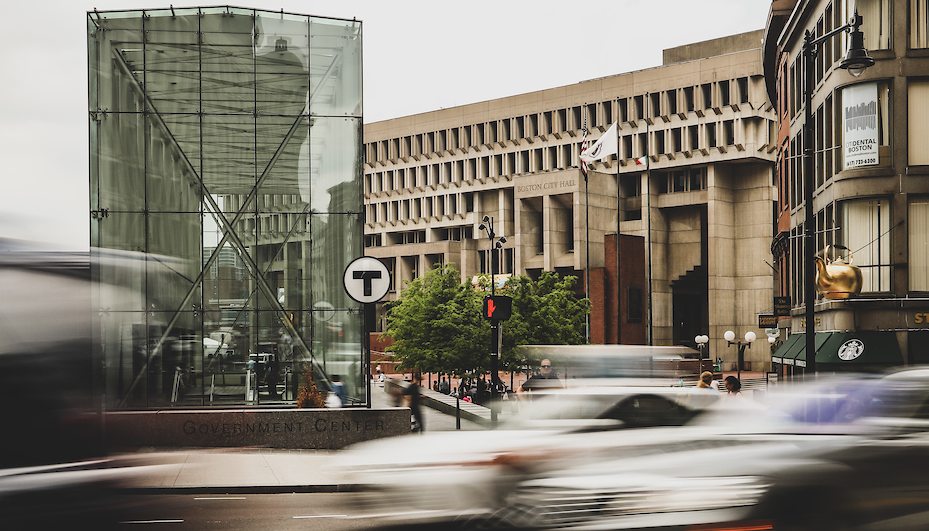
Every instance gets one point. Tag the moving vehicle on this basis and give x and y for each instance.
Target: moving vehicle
(833, 454)
(445, 477)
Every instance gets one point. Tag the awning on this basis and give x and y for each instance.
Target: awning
(800, 353)
(860, 348)
(794, 353)
(781, 352)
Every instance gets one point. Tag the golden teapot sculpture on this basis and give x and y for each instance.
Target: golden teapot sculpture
(837, 279)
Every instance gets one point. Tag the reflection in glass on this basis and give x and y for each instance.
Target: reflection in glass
(221, 207)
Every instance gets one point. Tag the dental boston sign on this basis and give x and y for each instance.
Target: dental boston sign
(273, 428)
(860, 125)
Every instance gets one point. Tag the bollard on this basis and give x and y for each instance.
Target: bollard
(457, 413)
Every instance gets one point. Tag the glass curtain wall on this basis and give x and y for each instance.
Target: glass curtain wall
(225, 149)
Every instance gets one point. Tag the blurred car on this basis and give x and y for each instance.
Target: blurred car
(459, 476)
(54, 468)
(841, 453)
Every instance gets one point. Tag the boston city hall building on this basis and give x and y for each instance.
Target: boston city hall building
(677, 222)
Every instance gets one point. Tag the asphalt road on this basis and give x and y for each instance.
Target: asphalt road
(246, 512)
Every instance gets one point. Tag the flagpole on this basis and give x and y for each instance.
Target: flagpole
(619, 215)
(587, 227)
(648, 230)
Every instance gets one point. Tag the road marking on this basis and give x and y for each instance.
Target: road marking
(152, 522)
(323, 516)
(223, 498)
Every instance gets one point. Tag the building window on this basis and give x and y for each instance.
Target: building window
(866, 232)
(919, 23)
(689, 180)
(918, 236)
(918, 110)
(876, 21)
(634, 301)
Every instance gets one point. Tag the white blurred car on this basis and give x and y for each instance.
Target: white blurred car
(467, 476)
(836, 454)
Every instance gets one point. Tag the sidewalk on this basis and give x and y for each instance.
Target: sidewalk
(269, 470)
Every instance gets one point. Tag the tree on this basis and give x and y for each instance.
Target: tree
(545, 312)
(436, 324)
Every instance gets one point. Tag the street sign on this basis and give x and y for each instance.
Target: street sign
(782, 306)
(498, 307)
(366, 280)
(766, 320)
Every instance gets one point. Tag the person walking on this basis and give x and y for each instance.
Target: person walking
(733, 387)
(414, 400)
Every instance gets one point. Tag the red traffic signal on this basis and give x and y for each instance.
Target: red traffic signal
(498, 307)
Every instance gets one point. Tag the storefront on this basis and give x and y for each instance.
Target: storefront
(866, 351)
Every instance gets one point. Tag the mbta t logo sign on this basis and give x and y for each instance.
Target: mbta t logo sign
(498, 307)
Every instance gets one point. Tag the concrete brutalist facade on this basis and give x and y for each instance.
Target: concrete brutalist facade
(703, 205)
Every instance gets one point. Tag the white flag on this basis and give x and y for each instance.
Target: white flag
(602, 148)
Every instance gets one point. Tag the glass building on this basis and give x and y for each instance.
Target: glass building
(226, 200)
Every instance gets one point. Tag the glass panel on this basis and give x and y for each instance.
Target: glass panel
(281, 63)
(174, 262)
(120, 142)
(172, 64)
(227, 66)
(228, 165)
(335, 165)
(338, 348)
(120, 278)
(337, 240)
(123, 231)
(283, 154)
(171, 184)
(335, 67)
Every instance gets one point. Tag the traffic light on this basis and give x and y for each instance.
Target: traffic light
(498, 307)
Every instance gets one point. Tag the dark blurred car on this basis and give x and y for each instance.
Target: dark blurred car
(834, 454)
(53, 465)
(446, 477)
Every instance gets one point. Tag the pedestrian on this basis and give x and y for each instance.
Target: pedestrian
(733, 387)
(271, 377)
(339, 389)
(702, 395)
(414, 400)
(443, 386)
(545, 379)
(706, 380)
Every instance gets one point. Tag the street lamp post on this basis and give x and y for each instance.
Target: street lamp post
(856, 61)
(749, 339)
(488, 227)
(701, 342)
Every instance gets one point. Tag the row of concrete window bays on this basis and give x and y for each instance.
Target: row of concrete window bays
(686, 140)
(460, 204)
(650, 106)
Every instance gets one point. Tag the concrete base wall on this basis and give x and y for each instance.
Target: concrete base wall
(324, 429)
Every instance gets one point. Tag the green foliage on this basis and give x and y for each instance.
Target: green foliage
(545, 312)
(437, 326)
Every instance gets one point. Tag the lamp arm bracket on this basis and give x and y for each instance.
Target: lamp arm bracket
(822, 38)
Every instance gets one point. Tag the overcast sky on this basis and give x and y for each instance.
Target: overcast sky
(419, 56)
